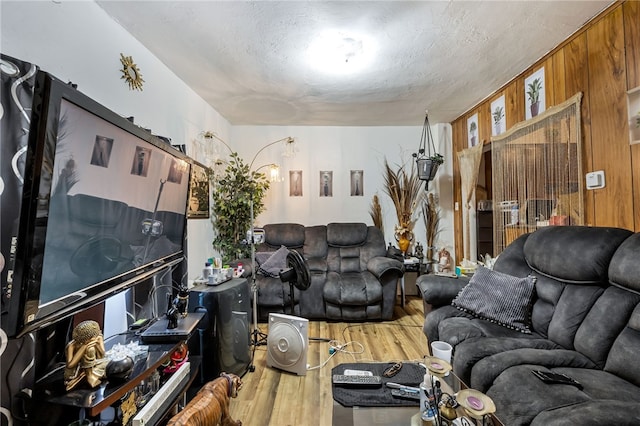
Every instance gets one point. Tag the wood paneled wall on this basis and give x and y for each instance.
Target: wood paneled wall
(602, 60)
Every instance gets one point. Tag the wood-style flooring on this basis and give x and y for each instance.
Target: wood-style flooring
(270, 397)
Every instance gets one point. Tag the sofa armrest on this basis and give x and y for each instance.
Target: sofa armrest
(437, 290)
(381, 265)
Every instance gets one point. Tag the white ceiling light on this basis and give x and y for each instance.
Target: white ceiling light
(340, 52)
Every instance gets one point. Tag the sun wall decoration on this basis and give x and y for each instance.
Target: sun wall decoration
(130, 73)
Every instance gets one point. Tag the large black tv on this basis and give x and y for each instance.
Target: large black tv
(104, 207)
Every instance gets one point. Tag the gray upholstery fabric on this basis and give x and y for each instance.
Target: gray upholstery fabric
(351, 279)
(290, 235)
(543, 353)
(498, 297)
(346, 234)
(604, 322)
(475, 350)
(624, 269)
(573, 254)
(595, 413)
(622, 359)
(586, 324)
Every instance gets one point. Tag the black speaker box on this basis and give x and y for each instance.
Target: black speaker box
(222, 338)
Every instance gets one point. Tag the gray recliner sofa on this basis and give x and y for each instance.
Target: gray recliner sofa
(585, 323)
(351, 277)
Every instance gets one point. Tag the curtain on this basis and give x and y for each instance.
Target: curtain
(537, 169)
(469, 160)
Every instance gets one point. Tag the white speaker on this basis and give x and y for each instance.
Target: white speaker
(287, 343)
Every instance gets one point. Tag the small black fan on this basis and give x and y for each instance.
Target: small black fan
(296, 274)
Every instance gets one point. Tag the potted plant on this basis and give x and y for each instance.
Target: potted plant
(232, 196)
(498, 115)
(533, 92)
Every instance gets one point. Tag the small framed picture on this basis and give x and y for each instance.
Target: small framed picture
(295, 183)
(326, 183)
(198, 192)
(357, 183)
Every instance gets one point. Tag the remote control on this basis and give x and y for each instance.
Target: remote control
(352, 380)
(405, 393)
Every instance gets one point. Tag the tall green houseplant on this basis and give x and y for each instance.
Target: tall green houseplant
(231, 205)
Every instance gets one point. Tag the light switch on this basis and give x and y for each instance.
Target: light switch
(595, 180)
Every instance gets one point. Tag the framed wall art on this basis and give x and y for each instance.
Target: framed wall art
(498, 116)
(198, 192)
(472, 130)
(357, 183)
(295, 183)
(535, 100)
(326, 183)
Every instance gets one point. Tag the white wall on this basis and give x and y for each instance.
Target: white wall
(76, 41)
(342, 149)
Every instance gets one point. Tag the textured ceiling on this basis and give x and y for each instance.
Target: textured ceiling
(249, 60)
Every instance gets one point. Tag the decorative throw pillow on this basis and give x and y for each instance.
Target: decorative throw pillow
(498, 297)
(274, 264)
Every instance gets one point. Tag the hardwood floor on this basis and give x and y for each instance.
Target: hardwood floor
(270, 397)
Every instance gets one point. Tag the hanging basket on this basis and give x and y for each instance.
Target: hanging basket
(427, 160)
(427, 168)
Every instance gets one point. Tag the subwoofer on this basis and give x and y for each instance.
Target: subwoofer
(287, 343)
(222, 338)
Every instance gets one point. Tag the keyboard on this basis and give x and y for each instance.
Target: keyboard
(354, 380)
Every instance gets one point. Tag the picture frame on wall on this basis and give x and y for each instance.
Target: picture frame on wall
(498, 116)
(326, 183)
(472, 130)
(295, 183)
(534, 89)
(198, 192)
(357, 183)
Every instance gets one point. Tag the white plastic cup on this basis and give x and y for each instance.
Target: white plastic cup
(441, 350)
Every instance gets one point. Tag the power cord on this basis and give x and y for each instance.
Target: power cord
(336, 347)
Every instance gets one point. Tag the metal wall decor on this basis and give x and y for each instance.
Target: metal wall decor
(130, 73)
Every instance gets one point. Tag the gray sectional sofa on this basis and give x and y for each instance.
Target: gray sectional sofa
(584, 322)
(351, 277)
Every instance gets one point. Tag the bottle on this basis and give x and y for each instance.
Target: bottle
(207, 271)
(425, 395)
(428, 418)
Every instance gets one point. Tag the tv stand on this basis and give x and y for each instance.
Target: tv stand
(94, 401)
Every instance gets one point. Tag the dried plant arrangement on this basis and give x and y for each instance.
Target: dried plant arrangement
(404, 189)
(376, 213)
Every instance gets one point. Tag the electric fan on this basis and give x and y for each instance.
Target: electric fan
(287, 343)
(296, 274)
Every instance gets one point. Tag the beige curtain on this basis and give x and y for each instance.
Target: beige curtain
(537, 174)
(469, 161)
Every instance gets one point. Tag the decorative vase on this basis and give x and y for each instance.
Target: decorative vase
(404, 240)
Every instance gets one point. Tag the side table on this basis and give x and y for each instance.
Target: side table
(412, 266)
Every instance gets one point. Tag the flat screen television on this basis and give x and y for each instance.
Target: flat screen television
(104, 207)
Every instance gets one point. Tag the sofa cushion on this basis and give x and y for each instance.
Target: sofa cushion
(284, 234)
(346, 234)
(624, 269)
(574, 254)
(498, 297)
(604, 322)
(622, 360)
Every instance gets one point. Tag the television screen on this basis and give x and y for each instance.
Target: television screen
(104, 206)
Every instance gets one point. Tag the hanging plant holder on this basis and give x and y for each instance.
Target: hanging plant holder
(427, 168)
(427, 159)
